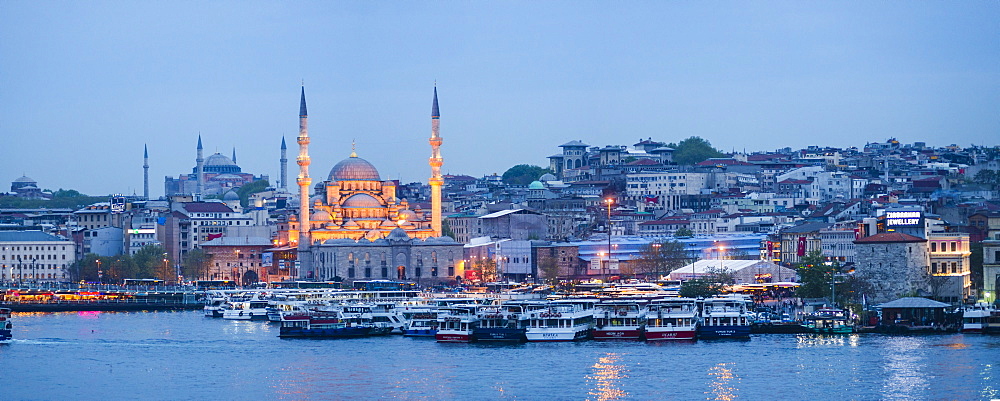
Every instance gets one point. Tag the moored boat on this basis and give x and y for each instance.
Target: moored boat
(420, 323)
(564, 320)
(619, 320)
(5, 326)
(725, 317)
(500, 323)
(672, 319)
(975, 319)
(245, 310)
(456, 323)
(829, 321)
(315, 324)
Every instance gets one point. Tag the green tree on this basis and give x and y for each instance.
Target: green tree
(693, 150)
(814, 275)
(486, 269)
(446, 229)
(149, 262)
(523, 174)
(700, 288)
(196, 265)
(659, 258)
(254, 187)
(683, 232)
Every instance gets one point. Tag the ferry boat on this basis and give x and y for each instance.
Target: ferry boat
(829, 321)
(672, 319)
(420, 322)
(619, 320)
(363, 314)
(975, 319)
(5, 326)
(503, 322)
(725, 317)
(320, 325)
(564, 320)
(456, 323)
(214, 306)
(255, 309)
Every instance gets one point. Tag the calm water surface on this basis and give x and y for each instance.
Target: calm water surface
(182, 355)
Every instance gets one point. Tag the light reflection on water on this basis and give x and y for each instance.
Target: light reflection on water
(905, 369)
(606, 378)
(822, 340)
(724, 382)
(989, 391)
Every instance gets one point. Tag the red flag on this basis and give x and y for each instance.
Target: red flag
(801, 248)
(213, 236)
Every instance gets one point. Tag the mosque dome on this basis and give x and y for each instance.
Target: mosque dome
(361, 200)
(231, 196)
(219, 159)
(321, 215)
(547, 177)
(25, 179)
(536, 185)
(354, 168)
(407, 215)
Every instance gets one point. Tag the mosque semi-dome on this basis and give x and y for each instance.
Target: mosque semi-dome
(354, 169)
(361, 200)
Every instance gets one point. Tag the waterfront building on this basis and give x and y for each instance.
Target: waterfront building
(991, 270)
(242, 259)
(34, 256)
(950, 267)
(398, 256)
(800, 241)
(742, 271)
(894, 263)
(189, 224)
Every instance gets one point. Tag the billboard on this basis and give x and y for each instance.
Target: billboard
(118, 203)
(903, 218)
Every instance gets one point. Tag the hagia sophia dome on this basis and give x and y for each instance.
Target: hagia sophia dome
(354, 168)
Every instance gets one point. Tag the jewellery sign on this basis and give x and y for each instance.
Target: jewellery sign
(903, 219)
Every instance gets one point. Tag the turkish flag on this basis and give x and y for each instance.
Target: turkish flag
(801, 248)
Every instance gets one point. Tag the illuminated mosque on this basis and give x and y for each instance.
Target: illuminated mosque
(354, 202)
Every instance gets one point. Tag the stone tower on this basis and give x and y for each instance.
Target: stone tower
(200, 166)
(284, 165)
(436, 181)
(145, 172)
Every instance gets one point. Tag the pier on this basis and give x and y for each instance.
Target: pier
(64, 297)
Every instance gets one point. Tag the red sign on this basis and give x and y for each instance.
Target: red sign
(801, 248)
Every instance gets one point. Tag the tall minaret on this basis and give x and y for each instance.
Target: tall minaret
(145, 171)
(303, 180)
(284, 165)
(200, 169)
(234, 154)
(436, 161)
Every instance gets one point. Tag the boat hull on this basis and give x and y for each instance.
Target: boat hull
(343, 332)
(710, 332)
(666, 335)
(452, 337)
(498, 334)
(618, 334)
(556, 336)
(419, 332)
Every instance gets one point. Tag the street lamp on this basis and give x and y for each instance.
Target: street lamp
(100, 273)
(604, 278)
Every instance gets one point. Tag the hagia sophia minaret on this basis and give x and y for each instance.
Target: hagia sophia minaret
(145, 172)
(200, 166)
(284, 165)
(234, 154)
(303, 180)
(436, 161)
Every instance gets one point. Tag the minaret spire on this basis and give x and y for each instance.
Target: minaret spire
(284, 165)
(436, 181)
(304, 181)
(234, 154)
(199, 170)
(145, 171)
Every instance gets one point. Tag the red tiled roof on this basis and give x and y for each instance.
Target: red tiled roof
(207, 207)
(889, 237)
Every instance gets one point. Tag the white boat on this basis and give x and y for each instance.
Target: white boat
(672, 319)
(456, 323)
(975, 319)
(255, 309)
(214, 306)
(563, 320)
(725, 317)
(5, 326)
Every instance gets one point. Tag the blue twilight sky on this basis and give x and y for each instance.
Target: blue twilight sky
(84, 84)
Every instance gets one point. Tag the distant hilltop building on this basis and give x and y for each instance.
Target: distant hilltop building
(214, 175)
(25, 187)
